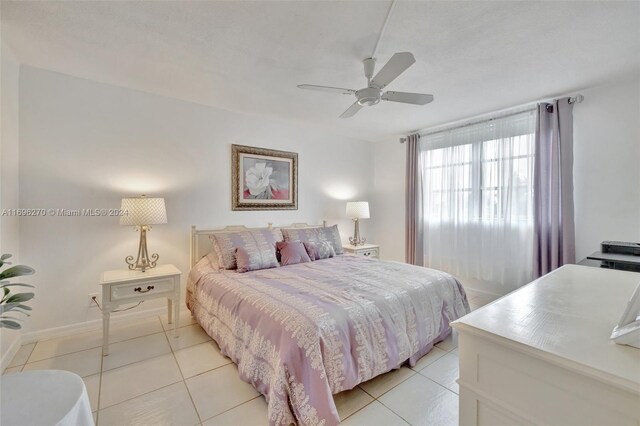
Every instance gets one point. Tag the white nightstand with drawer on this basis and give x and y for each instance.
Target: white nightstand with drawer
(366, 250)
(126, 286)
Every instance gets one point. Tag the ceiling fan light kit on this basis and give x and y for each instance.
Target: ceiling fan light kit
(373, 93)
(369, 96)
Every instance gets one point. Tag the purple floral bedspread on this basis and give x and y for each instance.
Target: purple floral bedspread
(301, 333)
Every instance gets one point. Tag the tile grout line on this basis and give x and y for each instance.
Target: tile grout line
(235, 406)
(184, 381)
(70, 353)
(100, 385)
(389, 408)
(21, 365)
(143, 360)
(100, 345)
(140, 360)
(361, 408)
(30, 353)
(145, 393)
(102, 356)
(439, 384)
(394, 386)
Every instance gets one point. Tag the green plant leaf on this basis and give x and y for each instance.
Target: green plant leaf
(13, 302)
(8, 284)
(6, 307)
(20, 297)
(10, 324)
(16, 271)
(14, 307)
(25, 307)
(2, 259)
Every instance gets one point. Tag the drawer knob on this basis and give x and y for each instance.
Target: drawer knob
(367, 254)
(140, 290)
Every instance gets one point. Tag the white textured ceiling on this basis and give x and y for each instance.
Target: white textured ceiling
(249, 56)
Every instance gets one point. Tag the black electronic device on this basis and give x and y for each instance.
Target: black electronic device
(621, 247)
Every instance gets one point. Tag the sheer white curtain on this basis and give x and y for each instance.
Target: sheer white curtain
(478, 200)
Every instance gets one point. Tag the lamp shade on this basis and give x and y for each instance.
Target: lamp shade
(143, 211)
(358, 210)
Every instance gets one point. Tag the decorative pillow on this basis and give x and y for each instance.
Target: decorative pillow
(301, 234)
(319, 250)
(331, 234)
(253, 241)
(253, 261)
(292, 252)
(314, 235)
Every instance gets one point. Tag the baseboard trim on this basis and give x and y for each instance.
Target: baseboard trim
(475, 289)
(481, 287)
(93, 325)
(8, 355)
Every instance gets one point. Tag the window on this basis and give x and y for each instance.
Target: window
(477, 192)
(506, 179)
(449, 173)
(485, 180)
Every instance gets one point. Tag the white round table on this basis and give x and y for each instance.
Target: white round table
(44, 397)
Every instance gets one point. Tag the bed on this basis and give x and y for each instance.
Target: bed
(302, 333)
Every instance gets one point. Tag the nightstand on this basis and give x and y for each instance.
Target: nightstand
(126, 286)
(366, 250)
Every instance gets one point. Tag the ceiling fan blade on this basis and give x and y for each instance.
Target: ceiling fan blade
(408, 98)
(398, 63)
(351, 111)
(327, 89)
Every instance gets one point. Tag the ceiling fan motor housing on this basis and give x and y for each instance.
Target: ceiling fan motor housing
(369, 96)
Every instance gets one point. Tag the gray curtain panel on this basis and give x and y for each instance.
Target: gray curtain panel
(414, 229)
(554, 229)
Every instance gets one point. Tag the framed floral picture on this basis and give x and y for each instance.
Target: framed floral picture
(263, 179)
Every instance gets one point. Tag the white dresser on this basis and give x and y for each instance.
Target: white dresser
(542, 354)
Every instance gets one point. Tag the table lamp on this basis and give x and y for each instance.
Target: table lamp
(357, 210)
(142, 212)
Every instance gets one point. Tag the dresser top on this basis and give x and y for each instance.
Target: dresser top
(567, 317)
(121, 275)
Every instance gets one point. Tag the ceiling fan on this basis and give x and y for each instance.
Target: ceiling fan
(373, 94)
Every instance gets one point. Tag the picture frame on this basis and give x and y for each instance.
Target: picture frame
(263, 179)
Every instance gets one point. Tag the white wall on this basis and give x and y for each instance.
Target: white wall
(606, 174)
(607, 166)
(9, 136)
(86, 145)
(388, 204)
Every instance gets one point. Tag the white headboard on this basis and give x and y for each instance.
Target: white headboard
(200, 244)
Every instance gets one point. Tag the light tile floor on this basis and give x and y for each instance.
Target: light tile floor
(151, 378)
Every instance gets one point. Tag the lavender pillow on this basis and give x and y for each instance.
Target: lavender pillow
(319, 250)
(332, 235)
(252, 261)
(253, 241)
(292, 252)
(311, 234)
(314, 235)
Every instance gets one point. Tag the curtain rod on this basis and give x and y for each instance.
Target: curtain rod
(507, 113)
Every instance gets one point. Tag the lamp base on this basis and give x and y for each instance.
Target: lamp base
(356, 240)
(143, 261)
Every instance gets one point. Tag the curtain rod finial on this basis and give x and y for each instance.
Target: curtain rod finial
(576, 99)
(403, 140)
